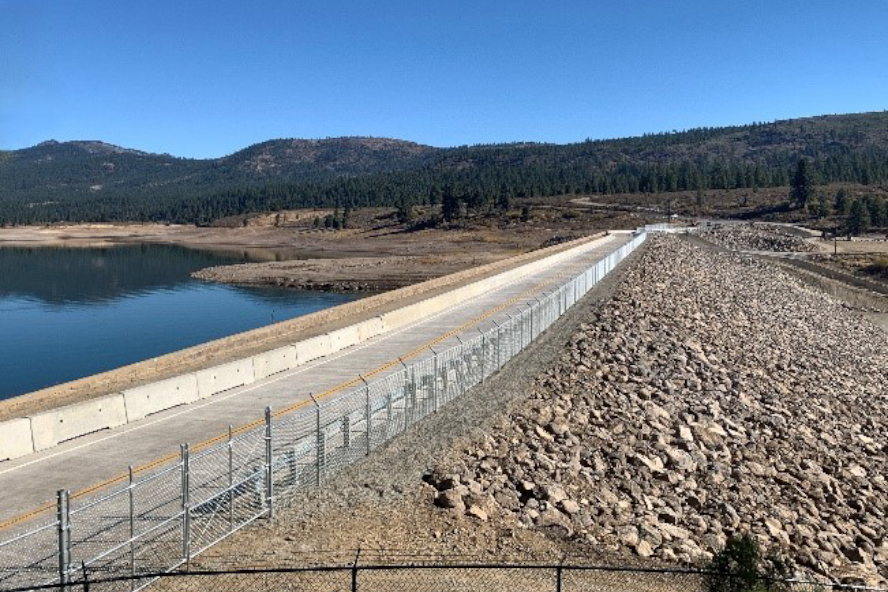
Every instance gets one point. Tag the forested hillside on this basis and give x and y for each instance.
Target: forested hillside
(92, 181)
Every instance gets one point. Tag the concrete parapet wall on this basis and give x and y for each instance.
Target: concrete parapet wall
(224, 377)
(15, 438)
(157, 396)
(65, 423)
(272, 362)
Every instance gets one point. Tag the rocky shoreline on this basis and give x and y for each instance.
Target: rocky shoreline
(714, 395)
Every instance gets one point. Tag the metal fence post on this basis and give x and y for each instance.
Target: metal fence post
(530, 336)
(269, 466)
(389, 411)
(230, 479)
(354, 571)
(435, 374)
(132, 527)
(412, 391)
(445, 381)
(64, 534)
(483, 353)
(405, 393)
(368, 415)
(320, 443)
(346, 431)
(186, 504)
(511, 332)
(499, 345)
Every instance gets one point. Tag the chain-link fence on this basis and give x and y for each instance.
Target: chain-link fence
(160, 521)
(445, 577)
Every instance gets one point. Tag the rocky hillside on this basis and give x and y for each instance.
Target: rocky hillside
(714, 395)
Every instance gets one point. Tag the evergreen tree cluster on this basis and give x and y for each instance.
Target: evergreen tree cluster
(47, 184)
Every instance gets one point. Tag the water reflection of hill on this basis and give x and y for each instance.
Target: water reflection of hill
(82, 275)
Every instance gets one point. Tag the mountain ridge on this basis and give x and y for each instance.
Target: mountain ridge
(94, 180)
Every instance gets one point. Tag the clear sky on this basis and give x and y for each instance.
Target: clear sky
(203, 78)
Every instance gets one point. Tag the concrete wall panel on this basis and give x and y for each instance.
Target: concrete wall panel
(369, 329)
(274, 361)
(223, 377)
(343, 338)
(142, 401)
(312, 349)
(65, 423)
(15, 438)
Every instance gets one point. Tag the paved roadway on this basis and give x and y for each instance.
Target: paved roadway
(28, 482)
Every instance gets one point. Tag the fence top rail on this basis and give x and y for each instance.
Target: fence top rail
(356, 565)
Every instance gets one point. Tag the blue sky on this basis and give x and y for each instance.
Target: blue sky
(203, 78)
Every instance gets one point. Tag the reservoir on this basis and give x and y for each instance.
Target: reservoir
(66, 313)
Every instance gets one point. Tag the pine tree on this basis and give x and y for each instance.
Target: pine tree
(434, 195)
(802, 184)
(449, 204)
(503, 200)
(840, 204)
(822, 209)
(859, 218)
(405, 212)
(877, 211)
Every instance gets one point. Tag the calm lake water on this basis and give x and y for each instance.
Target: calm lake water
(68, 313)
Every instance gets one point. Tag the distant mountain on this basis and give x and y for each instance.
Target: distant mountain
(54, 170)
(91, 180)
(321, 159)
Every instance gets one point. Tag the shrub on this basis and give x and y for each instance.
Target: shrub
(878, 267)
(740, 567)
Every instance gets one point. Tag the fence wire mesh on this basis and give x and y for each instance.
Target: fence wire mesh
(162, 520)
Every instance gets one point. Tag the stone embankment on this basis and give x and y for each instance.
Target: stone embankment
(756, 238)
(714, 395)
